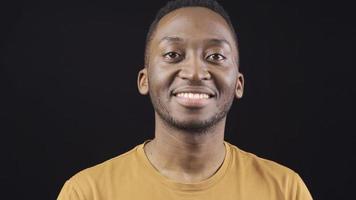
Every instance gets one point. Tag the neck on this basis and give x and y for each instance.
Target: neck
(186, 157)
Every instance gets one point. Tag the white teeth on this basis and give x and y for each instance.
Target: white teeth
(193, 95)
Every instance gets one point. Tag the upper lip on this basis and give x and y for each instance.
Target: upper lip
(194, 89)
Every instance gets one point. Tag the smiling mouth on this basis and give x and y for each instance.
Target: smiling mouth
(194, 92)
(191, 95)
(193, 99)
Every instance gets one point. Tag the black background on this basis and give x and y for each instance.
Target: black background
(69, 98)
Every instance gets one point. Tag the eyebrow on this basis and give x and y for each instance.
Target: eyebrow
(171, 39)
(215, 41)
(218, 42)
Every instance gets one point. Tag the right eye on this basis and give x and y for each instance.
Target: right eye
(172, 56)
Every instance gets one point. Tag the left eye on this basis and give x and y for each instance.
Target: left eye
(215, 57)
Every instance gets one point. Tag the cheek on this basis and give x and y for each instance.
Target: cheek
(160, 79)
(226, 81)
(161, 72)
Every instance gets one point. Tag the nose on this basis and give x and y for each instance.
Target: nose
(194, 69)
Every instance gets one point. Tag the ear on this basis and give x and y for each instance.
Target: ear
(239, 90)
(142, 81)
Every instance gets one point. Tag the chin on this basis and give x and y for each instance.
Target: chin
(190, 123)
(193, 126)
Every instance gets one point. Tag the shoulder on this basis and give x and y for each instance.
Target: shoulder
(260, 171)
(108, 167)
(250, 162)
(85, 183)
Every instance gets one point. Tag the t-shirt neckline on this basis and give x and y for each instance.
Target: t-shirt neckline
(199, 186)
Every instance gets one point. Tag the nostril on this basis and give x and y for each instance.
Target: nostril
(206, 75)
(194, 73)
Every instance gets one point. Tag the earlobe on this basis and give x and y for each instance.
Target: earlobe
(239, 90)
(142, 81)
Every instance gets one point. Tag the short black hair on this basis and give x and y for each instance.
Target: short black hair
(176, 4)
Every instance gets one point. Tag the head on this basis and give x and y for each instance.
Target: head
(191, 65)
(176, 4)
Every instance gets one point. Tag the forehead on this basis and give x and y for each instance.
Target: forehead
(193, 24)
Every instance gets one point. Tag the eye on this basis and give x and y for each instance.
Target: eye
(172, 56)
(215, 57)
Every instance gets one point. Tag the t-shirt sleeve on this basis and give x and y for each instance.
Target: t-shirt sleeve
(70, 191)
(299, 190)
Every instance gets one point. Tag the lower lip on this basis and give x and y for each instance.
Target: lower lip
(192, 103)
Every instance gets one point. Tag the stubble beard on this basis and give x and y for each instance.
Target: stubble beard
(191, 127)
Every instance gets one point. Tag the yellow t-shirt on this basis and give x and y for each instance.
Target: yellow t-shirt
(130, 176)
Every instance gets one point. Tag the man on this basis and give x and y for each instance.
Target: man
(191, 74)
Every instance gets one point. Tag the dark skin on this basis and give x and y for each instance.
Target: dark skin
(192, 78)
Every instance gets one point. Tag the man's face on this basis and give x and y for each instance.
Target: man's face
(192, 71)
